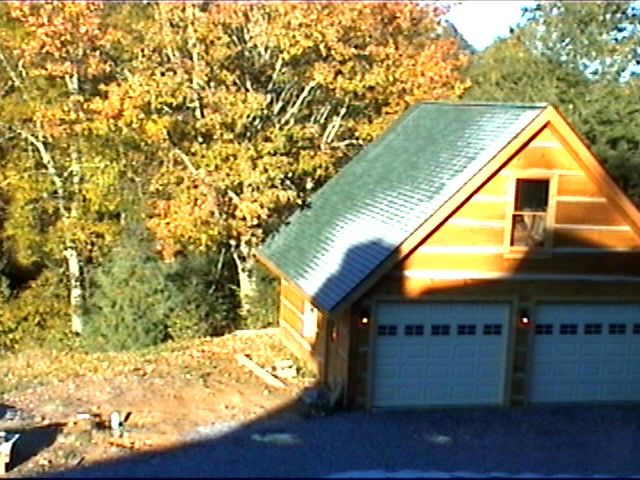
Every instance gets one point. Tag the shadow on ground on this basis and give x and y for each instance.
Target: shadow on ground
(32, 439)
(543, 441)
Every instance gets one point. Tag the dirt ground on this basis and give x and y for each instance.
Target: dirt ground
(61, 403)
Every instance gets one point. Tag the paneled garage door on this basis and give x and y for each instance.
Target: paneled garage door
(585, 352)
(430, 354)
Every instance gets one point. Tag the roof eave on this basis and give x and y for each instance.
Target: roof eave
(274, 270)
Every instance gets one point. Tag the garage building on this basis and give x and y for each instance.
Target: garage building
(475, 254)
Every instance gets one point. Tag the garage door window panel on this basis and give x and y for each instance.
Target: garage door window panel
(466, 329)
(492, 329)
(617, 329)
(440, 329)
(568, 329)
(414, 330)
(387, 330)
(593, 329)
(544, 329)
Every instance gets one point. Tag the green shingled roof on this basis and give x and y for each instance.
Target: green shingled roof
(358, 218)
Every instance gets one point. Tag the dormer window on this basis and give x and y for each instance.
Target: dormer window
(529, 221)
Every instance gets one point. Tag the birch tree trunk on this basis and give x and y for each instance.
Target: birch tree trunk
(67, 212)
(76, 291)
(246, 281)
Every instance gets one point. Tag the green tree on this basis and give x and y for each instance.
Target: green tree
(598, 38)
(132, 300)
(580, 70)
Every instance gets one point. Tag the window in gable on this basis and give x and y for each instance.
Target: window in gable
(529, 221)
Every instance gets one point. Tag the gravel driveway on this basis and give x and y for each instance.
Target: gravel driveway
(567, 441)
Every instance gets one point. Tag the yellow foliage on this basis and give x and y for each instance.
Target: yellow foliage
(287, 91)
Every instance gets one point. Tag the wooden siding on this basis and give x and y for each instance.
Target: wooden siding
(291, 319)
(577, 212)
(338, 345)
(605, 263)
(586, 237)
(294, 296)
(452, 234)
(417, 288)
(578, 186)
(358, 360)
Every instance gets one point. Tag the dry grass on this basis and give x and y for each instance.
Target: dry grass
(170, 390)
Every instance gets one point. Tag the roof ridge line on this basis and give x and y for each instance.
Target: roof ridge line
(481, 103)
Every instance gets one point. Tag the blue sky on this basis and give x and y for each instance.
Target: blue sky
(482, 21)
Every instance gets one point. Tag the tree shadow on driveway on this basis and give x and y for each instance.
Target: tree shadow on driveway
(543, 441)
(32, 439)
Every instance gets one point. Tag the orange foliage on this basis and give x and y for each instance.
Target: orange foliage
(65, 37)
(260, 102)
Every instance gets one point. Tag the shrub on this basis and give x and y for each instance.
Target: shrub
(138, 301)
(131, 301)
(37, 314)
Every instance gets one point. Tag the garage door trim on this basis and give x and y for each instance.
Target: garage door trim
(583, 351)
(507, 339)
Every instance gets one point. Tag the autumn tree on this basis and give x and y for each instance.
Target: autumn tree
(55, 60)
(251, 107)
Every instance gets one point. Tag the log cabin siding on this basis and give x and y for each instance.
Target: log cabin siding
(578, 186)
(293, 295)
(580, 214)
(576, 212)
(291, 320)
(483, 210)
(358, 379)
(587, 237)
(604, 263)
(290, 316)
(461, 234)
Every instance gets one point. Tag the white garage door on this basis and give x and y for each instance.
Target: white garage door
(430, 354)
(586, 352)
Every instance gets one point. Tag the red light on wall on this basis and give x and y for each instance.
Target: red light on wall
(525, 320)
(364, 318)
